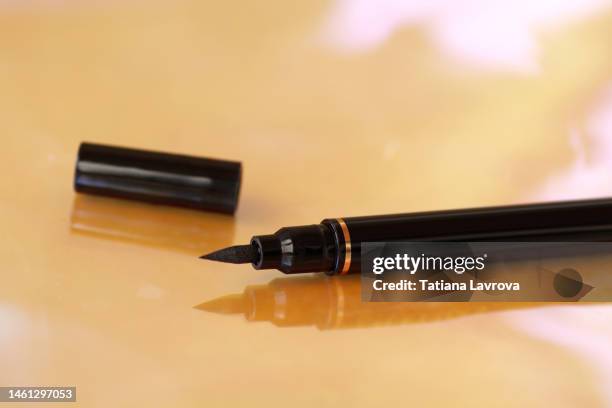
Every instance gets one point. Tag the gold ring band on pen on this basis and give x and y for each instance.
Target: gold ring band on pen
(347, 243)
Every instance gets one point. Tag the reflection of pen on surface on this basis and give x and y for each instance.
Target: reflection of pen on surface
(334, 303)
(170, 228)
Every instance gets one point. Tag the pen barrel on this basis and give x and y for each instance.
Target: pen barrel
(584, 220)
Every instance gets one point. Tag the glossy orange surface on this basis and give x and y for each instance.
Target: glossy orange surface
(335, 108)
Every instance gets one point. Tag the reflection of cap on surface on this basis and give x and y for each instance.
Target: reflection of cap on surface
(175, 229)
(160, 178)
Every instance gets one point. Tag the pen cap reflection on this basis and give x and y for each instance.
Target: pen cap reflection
(175, 229)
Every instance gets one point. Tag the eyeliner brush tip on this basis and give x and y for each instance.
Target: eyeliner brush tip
(238, 254)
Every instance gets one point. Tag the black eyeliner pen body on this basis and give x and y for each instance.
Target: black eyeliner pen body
(334, 245)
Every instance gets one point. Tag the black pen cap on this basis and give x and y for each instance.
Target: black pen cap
(159, 178)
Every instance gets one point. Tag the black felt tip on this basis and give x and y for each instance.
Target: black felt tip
(238, 254)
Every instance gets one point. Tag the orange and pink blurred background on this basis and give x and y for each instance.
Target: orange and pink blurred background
(351, 107)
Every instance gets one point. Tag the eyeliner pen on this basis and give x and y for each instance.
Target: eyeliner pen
(334, 245)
